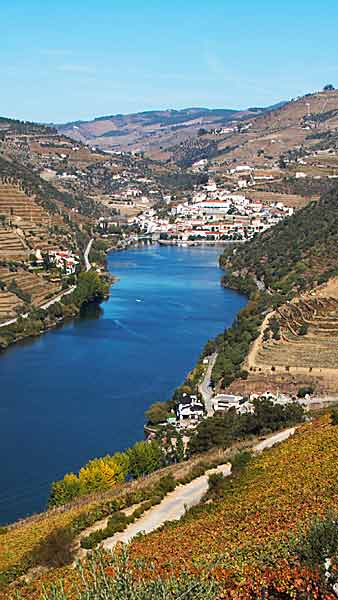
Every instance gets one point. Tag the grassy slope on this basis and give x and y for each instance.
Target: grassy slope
(246, 535)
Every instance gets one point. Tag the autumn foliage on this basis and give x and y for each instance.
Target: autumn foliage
(248, 540)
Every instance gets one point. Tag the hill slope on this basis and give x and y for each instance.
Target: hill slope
(303, 124)
(252, 535)
(150, 131)
(288, 263)
(256, 135)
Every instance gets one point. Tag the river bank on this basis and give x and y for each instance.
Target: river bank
(64, 308)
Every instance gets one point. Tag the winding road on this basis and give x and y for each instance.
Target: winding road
(86, 255)
(174, 505)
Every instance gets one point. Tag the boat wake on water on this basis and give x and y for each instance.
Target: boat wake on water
(130, 331)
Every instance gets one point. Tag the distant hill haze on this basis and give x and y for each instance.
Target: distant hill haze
(151, 131)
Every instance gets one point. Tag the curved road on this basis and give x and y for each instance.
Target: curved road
(86, 255)
(173, 506)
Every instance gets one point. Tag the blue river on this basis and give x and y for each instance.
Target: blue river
(81, 390)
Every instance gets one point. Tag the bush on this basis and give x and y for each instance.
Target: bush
(156, 500)
(216, 482)
(334, 417)
(55, 550)
(116, 523)
(240, 460)
(304, 391)
(320, 542)
(166, 484)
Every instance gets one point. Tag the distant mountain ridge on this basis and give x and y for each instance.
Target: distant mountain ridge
(153, 130)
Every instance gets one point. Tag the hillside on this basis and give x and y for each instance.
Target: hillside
(246, 532)
(151, 132)
(256, 136)
(303, 122)
(44, 229)
(293, 313)
(255, 533)
(301, 134)
(297, 253)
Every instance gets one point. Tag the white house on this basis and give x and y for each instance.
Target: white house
(65, 260)
(190, 408)
(226, 401)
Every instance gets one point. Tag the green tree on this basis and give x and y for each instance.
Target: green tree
(157, 413)
(303, 329)
(180, 452)
(144, 458)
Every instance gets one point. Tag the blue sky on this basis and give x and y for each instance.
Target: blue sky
(75, 59)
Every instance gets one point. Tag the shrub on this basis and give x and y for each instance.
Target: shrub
(334, 418)
(320, 542)
(55, 550)
(240, 460)
(156, 500)
(216, 483)
(304, 391)
(166, 484)
(117, 522)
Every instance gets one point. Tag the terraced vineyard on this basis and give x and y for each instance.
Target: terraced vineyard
(318, 347)
(15, 204)
(25, 226)
(12, 246)
(8, 304)
(300, 339)
(32, 285)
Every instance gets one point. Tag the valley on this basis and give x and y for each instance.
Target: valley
(152, 203)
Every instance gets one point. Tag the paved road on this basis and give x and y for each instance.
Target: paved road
(205, 388)
(86, 255)
(174, 504)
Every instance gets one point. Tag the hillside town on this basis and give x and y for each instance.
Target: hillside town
(214, 214)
